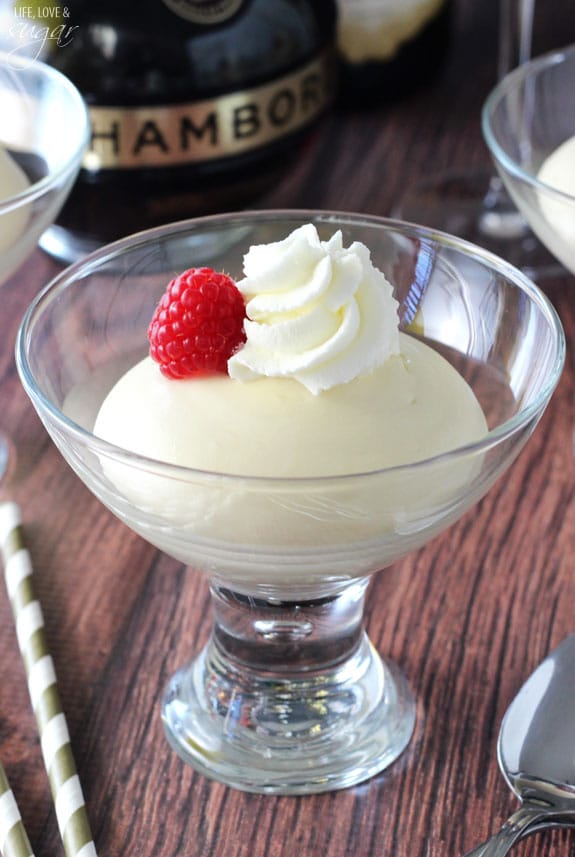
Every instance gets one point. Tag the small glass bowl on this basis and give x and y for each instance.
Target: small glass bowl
(44, 129)
(44, 126)
(525, 118)
(289, 696)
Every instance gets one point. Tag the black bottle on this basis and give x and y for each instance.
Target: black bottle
(196, 106)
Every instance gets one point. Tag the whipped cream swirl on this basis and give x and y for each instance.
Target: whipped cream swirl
(317, 312)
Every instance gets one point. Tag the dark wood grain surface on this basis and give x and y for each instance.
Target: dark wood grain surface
(467, 618)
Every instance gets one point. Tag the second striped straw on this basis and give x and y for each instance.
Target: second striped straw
(56, 749)
(14, 840)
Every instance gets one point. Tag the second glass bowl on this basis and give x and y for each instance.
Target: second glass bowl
(529, 114)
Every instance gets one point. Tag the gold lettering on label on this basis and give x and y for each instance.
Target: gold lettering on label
(206, 130)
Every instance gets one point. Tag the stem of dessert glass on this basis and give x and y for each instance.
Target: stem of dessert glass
(288, 637)
(289, 697)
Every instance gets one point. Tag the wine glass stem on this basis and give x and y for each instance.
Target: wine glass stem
(499, 217)
(515, 34)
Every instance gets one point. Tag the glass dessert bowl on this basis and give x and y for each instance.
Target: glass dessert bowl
(288, 695)
(39, 160)
(528, 123)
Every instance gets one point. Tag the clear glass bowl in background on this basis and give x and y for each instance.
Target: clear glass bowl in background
(525, 118)
(289, 696)
(44, 126)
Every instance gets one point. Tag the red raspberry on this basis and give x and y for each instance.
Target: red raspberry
(198, 324)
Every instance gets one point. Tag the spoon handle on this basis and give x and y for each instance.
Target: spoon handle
(513, 829)
(535, 827)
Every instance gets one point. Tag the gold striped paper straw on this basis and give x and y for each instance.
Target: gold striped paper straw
(14, 840)
(56, 749)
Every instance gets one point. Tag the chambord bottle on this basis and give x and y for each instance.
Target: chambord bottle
(196, 107)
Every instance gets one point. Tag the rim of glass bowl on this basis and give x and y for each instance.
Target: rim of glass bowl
(93, 260)
(501, 90)
(47, 182)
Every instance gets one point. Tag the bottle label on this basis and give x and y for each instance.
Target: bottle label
(204, 11)
(200, 131)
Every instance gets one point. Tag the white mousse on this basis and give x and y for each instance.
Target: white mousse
(412, 407)
(557, 230)
(13, 181)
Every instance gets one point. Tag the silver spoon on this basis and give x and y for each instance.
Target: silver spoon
(536, 752)
(559, 821)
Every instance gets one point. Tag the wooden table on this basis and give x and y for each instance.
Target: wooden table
(467, 618)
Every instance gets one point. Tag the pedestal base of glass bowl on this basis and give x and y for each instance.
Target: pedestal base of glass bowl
(66, 247)
(477, 208)
(289, 697)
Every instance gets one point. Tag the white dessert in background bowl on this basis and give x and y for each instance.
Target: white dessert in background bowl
(557, 173)
(13, 182)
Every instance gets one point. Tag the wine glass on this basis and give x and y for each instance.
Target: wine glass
(44, 130)
(529, 125)
(476, 205)
(289, 696)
